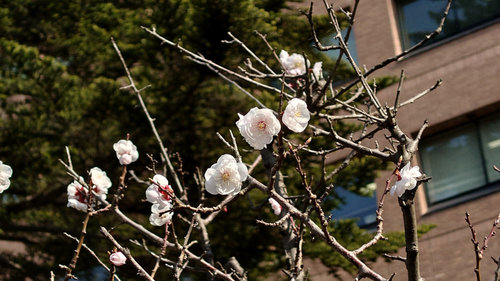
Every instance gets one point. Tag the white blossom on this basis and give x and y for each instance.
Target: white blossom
(5, 174)
(318, 73)
(118, 258)
(160, 194)
(296, 115)
(159, 191)
(161, 213)
(100, 181)
(77, 196)
(126, 152)
(258, 127)
(406, 179)
(275, 205)
(294, 64)
(225, 176)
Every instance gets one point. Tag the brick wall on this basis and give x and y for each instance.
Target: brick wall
(469, 68)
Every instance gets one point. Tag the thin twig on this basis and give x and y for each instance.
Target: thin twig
(126, 252)
(92, 253)
(150, 120)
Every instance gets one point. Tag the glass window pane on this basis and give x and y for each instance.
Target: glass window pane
(490, 139)
(356, 206)
(351, 45)
(420, 17)
(454, 162)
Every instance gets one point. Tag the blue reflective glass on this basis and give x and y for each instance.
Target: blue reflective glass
(420, 17)
(356, 206)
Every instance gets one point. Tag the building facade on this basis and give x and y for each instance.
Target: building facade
(462, 143)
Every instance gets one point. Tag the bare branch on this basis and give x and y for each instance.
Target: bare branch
(126, 252)
(150, 120)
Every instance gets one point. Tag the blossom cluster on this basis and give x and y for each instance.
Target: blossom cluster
(159, 193)
(5, 174)
(260, 126)
(296, 64)
(78, 195)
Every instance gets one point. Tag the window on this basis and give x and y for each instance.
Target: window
(356, 206)
(351, 45)
(461, 160)
(420, 17)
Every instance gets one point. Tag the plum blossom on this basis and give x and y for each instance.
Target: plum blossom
(225, 176)
(296, 115)
(5, 174)
(258, 127)
(126, 152)
(100, 181)
(318, 73)
(160, 215)
(275, 205)
(294, 64)
(160, 194)
(78, 194)
(406, 179)
(159, 191)
(118, 258)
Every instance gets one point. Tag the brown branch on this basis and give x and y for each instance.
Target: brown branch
(361, 76)
(74, 260)
(318, 232)
(496, 168)
(380, 210)
(150, 120)
(126, 252)
(497, 271)
(477, 249)
(199, 58)
(92, 253)
(427, 37)
(397, 258)
(418, 96)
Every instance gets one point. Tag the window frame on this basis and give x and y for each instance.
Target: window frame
(483, 190)
(400, 24)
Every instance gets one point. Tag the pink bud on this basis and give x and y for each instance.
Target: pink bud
(118, 258)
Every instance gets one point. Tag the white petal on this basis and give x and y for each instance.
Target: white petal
(73, 203)
(258, 127)
(159, 220)
(243, 171)
(211, 186)
(393, 189)
(4, 184)
(160, 180)
(5, 170)
(99, 178)
(125, 159)
(275, 206)
(118, 259)
(152, 194)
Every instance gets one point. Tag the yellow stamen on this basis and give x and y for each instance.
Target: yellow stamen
(225, 176)
(261, 125)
